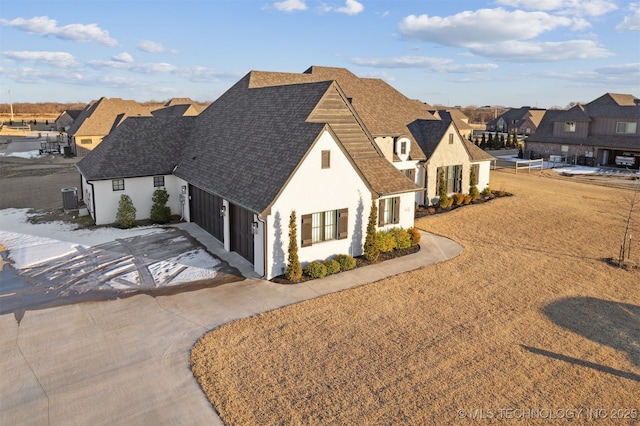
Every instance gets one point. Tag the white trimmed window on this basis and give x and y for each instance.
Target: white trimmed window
(570, 126)
(626, 127)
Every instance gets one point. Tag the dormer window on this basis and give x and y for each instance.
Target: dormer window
(403, 148)
(570, 126)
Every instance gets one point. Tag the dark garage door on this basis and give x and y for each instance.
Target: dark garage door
(240, 221)
(205, 212)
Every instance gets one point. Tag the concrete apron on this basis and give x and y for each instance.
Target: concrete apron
(126, 361)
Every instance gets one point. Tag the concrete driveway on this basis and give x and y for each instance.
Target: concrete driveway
(126, 361)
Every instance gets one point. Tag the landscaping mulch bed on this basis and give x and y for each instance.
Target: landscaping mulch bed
(360, 262)
(422, 211)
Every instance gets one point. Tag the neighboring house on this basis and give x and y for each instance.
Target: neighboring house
(177, 107)
(453, 154)
(66, 119)
(524, 121)
(460, 120)
(241, 167)
(603, 132)
(388, 114)
(98, 118)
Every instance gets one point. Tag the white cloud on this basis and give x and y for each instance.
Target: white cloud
(56, 59)
(631, 22)
(144, 68)
(153, 47)
(565, 7)
(123, 57)
(352, 7)
(430, 63)
(481, 26)
(504, 35)
(290, 5)
(44, 26)
(620, 69)
(519, 51)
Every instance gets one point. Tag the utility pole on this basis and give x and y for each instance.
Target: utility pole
(11, 105)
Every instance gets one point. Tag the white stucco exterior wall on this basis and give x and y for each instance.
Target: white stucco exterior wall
(483, 174)
(311, 190)
(140, 190)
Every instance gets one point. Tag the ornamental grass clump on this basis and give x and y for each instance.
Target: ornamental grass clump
(415, 236)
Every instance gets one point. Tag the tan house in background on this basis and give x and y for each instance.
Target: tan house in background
(177, 107)
(97, 120)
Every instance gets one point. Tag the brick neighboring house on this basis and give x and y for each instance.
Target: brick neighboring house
(603, 132)
(524, 121)
(98, 118)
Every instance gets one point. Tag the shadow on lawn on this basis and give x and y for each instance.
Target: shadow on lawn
(614, 324)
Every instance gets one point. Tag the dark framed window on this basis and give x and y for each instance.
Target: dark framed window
(326, 159)
(117, 184)
(452, 177)
(450, 138)
(324, 226)
(85, 141)
(570, 126)
(158, 181)
(626, 127)
(388, 211)
(403, 148)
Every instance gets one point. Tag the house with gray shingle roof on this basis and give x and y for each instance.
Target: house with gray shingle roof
(523, 121)
(241, 167)
(66, 119)
(602, 132)
(98, 118)
(177, 107)
(388, 115)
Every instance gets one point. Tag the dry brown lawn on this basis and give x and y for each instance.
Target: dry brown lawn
(528, 317)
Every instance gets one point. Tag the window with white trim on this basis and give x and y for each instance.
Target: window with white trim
(626, 127)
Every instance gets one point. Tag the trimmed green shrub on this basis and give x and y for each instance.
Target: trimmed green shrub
(386, 241)
(443, 200)
(346, 262)
(401, 237)
(316, 269)
(293, 271)
(333, 267)
(486, 192)
(126, 214)
(371, 250)
(473, 189)
(415, 235)
(160, 213)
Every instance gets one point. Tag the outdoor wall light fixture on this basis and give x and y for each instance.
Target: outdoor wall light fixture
(223, 211)
(254, 228)
(183, 188)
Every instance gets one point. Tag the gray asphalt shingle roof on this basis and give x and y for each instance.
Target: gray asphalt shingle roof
(140, 146)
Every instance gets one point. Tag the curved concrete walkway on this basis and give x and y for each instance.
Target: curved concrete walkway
(126, 361)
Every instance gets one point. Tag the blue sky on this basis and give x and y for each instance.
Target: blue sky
(541, 53)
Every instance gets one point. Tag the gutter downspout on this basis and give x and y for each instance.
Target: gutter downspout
(93, 200)
(264, 246)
